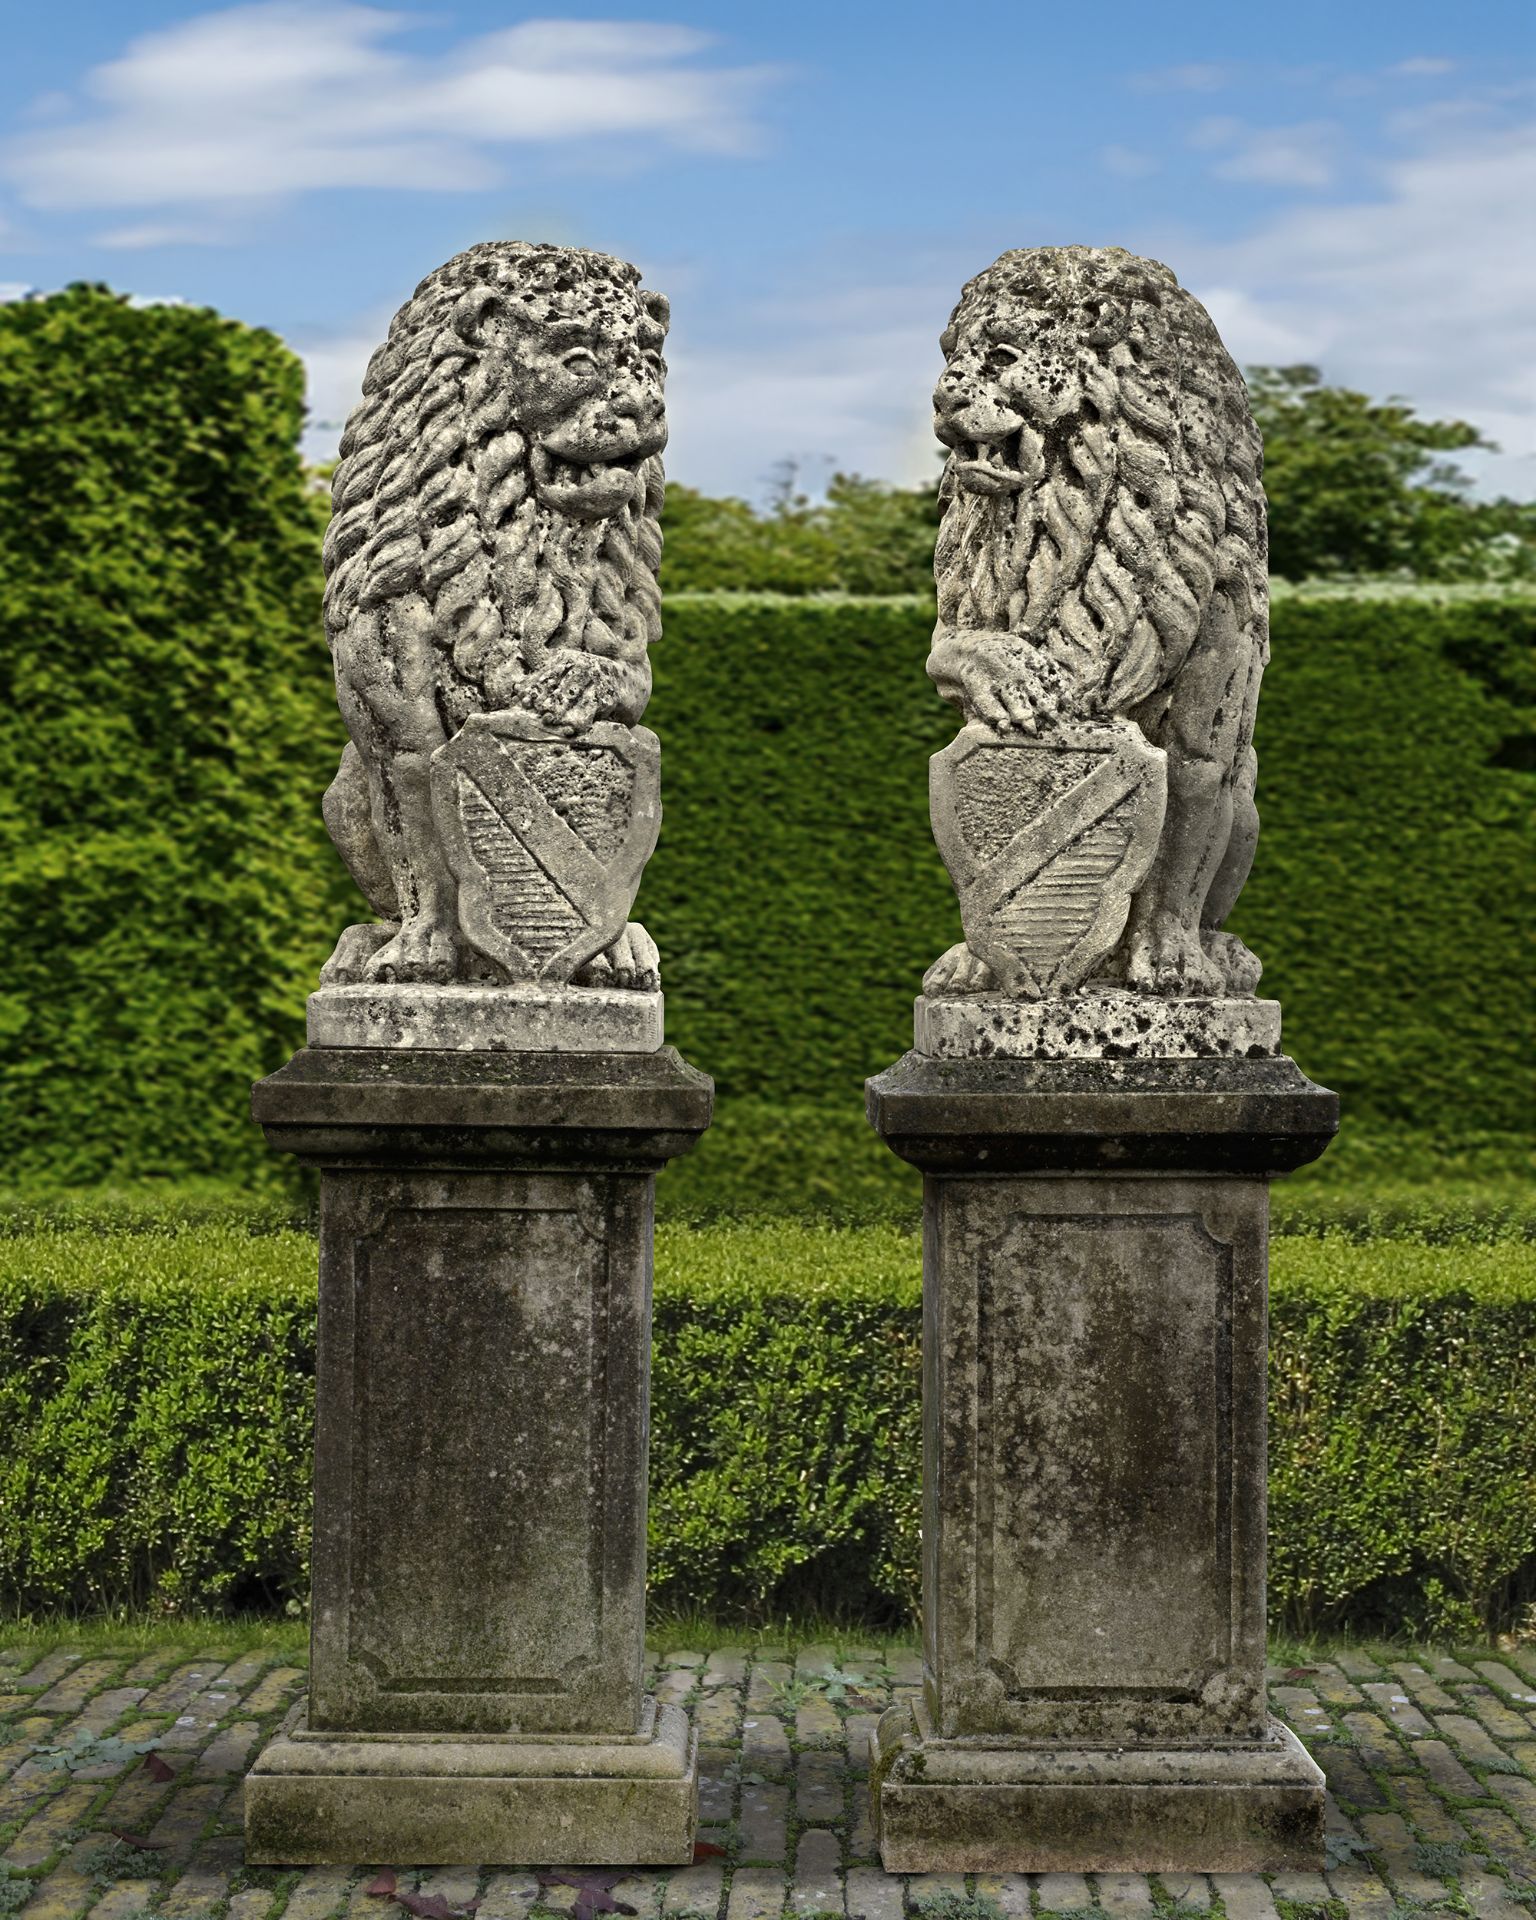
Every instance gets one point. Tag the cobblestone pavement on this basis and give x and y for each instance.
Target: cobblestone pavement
(1431, 1762)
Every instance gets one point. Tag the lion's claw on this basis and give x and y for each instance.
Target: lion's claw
(423, 950)
(1169, 959)
(959, 971)
(631, 961)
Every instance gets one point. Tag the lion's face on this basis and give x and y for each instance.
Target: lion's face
(1007, 370)
(586, 387)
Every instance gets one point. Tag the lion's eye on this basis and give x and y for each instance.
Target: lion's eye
(579, 361)
(1000, 358)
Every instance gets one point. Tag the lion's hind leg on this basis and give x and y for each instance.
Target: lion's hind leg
(386, 687)
(1240, 966)
(1164, 950)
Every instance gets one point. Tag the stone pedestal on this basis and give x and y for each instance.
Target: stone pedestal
(1095, 1277)
(480, 1458)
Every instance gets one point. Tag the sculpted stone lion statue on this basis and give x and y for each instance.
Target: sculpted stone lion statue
(1102, 556)
(493, 546)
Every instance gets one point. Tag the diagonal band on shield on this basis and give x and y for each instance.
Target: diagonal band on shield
(1082, 810)
(547, 836)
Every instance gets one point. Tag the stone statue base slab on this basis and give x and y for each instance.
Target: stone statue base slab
(494, 1019)
(327, 1799)
(968, 1806)
(1094, 1024)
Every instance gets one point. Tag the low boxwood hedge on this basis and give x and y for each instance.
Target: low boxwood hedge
(156, 1390)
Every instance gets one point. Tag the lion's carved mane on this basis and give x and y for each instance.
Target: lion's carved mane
(494, 544)
(433, 493)
(1102, 557)
(1143, 501)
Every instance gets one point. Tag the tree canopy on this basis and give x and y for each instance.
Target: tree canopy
(1355, 489)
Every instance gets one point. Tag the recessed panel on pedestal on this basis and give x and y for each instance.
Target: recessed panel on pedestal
(1103, 1427)
(483, 1420)
(1084, 1530)
(477, 1471)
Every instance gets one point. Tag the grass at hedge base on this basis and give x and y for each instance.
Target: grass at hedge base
(156, 1390)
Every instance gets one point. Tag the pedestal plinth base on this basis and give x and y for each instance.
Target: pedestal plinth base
(441, 1800)
(963, 1806)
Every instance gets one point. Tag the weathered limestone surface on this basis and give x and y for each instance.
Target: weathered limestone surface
(1095, 1264)
(1095, 1023)
(1098, 1103)
(488, 1100)
(442, 1802)
(1103, 623)
(480, 1461)
(947, 1807)
(491, 591)
(517, 1019)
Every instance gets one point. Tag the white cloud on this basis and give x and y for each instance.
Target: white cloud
(135, 238)
(1427, 289)
(335, 365)
(1196, 76)
(1300, 156)
(1216, 130)
(280, 98)
(1126, 163)
(1254, 335)
(1420, 285)
(1421, 67)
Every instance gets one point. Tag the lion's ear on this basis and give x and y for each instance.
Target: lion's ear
(659, 307)
(473, 313)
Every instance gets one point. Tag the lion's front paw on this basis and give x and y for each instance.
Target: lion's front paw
(1167, 958)
(958, 971)
(1239, 966)
(632, 961)
(1024, 691)
(423, 950)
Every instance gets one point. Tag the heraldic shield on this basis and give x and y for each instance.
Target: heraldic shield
(1047, 838)
(547, 835)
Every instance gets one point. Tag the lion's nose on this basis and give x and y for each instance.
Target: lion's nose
(633, 400)
(948, 396)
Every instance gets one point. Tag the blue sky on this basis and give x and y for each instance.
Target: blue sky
(1349, 183)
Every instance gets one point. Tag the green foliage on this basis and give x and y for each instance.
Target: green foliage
(165, 890)
(87, 1749)
(156, 1391)
(862, 538)
(157, 1395)
(797, 894)
(1402, 1478)
(1354, 488)
(167, 726)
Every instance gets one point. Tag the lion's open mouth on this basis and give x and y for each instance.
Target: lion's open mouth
(588, 489)
(987, 466)
(553, 472)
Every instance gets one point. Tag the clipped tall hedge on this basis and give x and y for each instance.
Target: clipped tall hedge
(167, 726)
(166, 891)
(798, 896)
(156, 1391)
